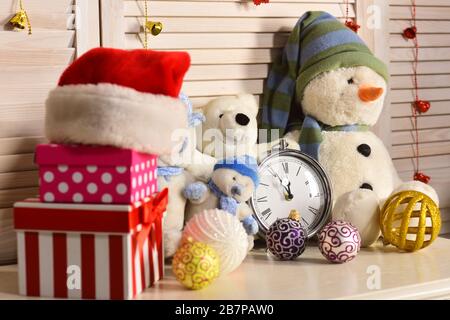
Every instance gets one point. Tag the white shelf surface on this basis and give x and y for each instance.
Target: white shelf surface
(420, 275)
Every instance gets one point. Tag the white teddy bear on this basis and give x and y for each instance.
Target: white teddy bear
(230, 129)
(340, 88)
(232, 184)
(177, 171)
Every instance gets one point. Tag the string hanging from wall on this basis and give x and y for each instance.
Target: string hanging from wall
(21, 20)
(419, 106)
(350, 23)
(154, 27)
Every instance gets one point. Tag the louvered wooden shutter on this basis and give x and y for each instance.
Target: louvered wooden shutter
(434, 80)
(231, 42)
(29, 67)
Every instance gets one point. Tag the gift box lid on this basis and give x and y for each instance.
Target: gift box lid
(32, 214)
(72, 155)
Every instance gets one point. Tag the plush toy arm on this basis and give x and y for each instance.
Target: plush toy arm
(196, 192)
(361, 208)
(249, 223)
(202, 165)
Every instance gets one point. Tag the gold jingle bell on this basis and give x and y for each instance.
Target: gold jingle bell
(155, 27)
(19, 20)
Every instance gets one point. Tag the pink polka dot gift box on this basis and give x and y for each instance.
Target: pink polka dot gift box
(94, 174)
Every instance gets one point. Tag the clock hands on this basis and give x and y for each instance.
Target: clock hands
(286, 184)
(289, 195)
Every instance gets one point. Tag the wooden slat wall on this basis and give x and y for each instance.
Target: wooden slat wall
(231, 43)
(434, 80)
(29, 67)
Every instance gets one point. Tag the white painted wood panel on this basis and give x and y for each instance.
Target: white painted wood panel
(427, 135)
(30, 66)
(434, 82)
(231, 9)
(430, 162)
(231, 43)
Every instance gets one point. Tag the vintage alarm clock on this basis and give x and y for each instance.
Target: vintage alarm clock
(290, 179)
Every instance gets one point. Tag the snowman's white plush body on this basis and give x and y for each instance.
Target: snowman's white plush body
(359, 166)
(339, 156)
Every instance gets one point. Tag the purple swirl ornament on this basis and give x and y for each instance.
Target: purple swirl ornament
(286, 238)
(339, 241)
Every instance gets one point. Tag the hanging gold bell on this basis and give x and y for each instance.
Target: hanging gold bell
(154, 27)
(20, 20)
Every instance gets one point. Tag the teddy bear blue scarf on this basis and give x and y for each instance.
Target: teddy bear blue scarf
(229, 204)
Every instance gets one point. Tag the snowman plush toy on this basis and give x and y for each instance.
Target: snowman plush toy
(326, 92)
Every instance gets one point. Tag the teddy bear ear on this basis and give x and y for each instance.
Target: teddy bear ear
(249, 101)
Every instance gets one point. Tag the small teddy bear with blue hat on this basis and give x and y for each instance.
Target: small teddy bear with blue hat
(232, 183)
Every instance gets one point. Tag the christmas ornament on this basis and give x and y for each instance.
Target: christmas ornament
(419, 176)
(349, 22)
(258, 2)
(352, 25)
(422, 105)
(154, 27)
(195, 264)
(20, 20)
(418, 106)
(410, 32)
(339, 241)
(286, 238)
(410, 220)
(224, 233)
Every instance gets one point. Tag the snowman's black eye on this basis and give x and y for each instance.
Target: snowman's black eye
(350, 81)
(221, 116)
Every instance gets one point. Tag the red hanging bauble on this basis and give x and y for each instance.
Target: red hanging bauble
(419, 176)
(258, 2)
(410, 33)
(352, 25)
(422, 105)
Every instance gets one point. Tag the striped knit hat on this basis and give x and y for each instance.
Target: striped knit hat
(318, 43)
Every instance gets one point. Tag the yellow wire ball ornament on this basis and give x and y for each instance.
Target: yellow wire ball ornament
(195, 265)
(410, 220)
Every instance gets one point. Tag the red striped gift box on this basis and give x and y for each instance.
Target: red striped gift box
(89, 251)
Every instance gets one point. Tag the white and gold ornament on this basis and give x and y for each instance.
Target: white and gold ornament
(224, 233)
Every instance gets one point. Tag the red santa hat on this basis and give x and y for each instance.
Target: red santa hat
(126, 99)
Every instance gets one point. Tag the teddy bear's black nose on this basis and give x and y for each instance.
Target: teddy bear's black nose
(364, 149)
(242, 119)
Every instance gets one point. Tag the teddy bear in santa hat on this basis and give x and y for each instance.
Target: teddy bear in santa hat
(122, 98)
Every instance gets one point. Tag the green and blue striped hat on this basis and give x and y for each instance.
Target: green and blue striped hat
(318, 43)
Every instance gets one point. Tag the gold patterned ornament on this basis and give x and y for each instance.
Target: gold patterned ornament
(154, 27)
(410, 220)
(20, 20)
(195, 264)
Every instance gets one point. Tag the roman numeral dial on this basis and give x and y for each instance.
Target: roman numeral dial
(290, 182)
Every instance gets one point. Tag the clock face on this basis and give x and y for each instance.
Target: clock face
(290, 180)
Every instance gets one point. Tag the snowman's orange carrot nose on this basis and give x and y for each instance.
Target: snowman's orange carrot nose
(368, 94)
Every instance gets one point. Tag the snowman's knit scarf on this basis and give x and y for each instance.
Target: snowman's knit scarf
(311, 134)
